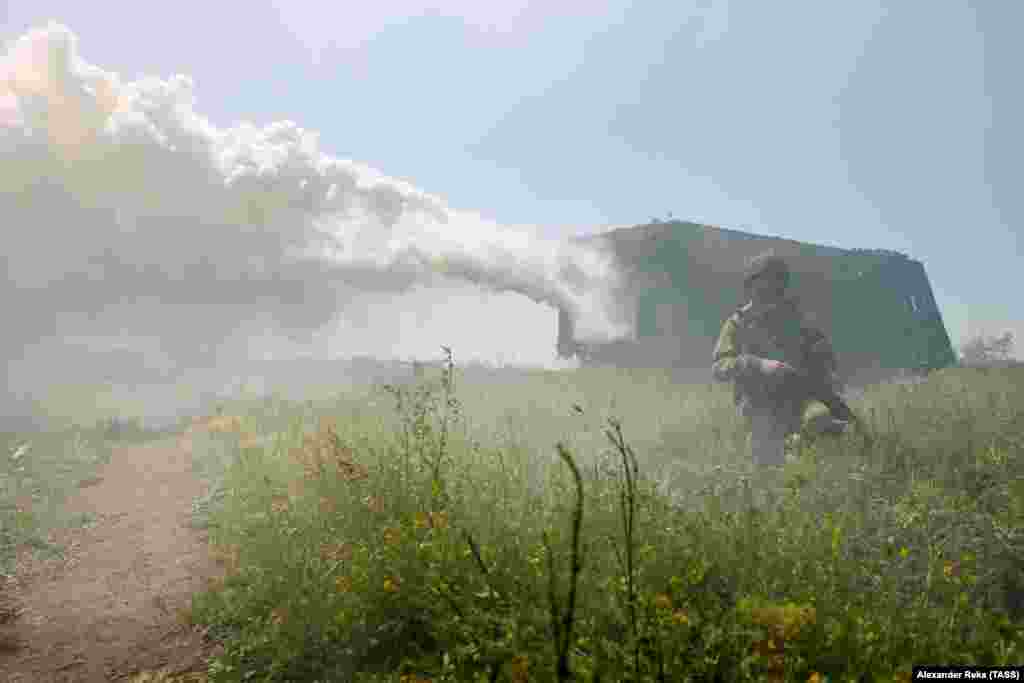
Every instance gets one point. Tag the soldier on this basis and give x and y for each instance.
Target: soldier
(769, 354)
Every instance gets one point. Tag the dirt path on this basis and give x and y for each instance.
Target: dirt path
(109, 608)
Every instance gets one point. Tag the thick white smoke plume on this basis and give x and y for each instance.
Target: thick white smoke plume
(127, 214)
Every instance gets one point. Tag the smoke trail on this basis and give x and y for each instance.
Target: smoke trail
(128, 213)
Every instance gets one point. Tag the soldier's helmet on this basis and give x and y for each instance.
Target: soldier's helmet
(765, 264)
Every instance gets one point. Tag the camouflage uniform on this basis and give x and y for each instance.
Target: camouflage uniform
(756, 332)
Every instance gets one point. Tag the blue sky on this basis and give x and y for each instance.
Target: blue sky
(868, 125)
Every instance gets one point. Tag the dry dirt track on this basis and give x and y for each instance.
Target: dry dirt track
(109, 608)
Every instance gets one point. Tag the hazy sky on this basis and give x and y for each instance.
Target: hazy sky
(860, 125)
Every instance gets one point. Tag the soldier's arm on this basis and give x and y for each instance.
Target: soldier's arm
(729, 364)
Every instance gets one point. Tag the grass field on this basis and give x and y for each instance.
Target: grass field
(596, 525)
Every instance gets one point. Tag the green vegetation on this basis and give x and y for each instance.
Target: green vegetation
(78, 426)
(39, 470)
(603, 525)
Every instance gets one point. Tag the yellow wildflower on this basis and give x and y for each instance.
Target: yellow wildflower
(815, 677)
(336, 552)
(439, 520)
(229, 557)
(391, 584)
(279, 504)
(392, 536)
(421, 521)
(662, 601)
(520, 669)
(351, 471)
(784, 621)
(343, 584)
(327, 505)
(681, 617)
(224, 423)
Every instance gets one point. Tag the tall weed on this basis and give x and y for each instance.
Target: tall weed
(539, 531)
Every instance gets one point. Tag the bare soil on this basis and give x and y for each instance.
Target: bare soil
(114, 604)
